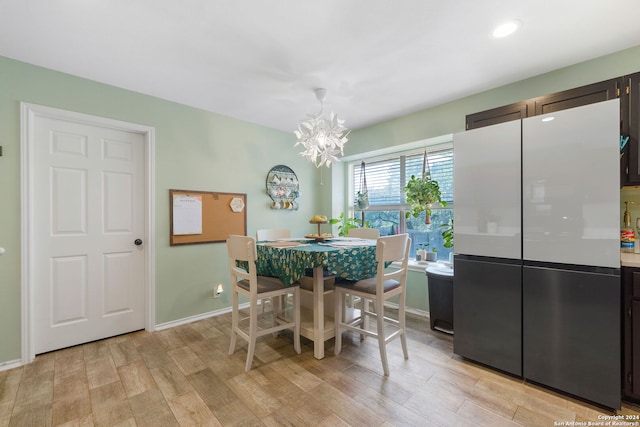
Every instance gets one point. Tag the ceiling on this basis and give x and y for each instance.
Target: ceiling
(259, 60)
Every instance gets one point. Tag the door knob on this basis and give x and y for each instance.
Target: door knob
(138, 242)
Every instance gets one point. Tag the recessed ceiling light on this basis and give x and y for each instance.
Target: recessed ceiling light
(548, 119)
(505, 29)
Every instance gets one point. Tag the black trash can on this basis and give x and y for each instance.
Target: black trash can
(440, 283)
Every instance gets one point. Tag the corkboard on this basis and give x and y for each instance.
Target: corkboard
(218, 217)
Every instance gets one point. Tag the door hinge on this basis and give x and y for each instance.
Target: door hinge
(629, 377)
(617, 92)
(629, 312)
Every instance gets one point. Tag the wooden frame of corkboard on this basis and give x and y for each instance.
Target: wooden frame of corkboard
(219, 220)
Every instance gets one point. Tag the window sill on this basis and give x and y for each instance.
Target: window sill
(419, 266)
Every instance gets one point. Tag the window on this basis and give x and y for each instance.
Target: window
(386, 178)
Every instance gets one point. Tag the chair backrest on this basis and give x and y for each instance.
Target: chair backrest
(273, 234)
(390, 249)
(364, 233)
(242, 248)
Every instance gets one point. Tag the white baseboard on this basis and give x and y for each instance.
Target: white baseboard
(10, 364)
(191, 319)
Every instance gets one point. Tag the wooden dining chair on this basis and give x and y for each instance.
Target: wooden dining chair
(364, 233)
(377, 290)
(272, 234)
(254, 287)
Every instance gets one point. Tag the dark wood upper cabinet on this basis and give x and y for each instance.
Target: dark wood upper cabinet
(583, 95)
(631, 127)
(506, 113)
(626, 88)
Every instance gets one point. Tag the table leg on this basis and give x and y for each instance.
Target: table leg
(318, 313)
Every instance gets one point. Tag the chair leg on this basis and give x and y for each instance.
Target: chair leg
(381, 336)
(364, 318)
(253, 331)
(276, 310)
(296, 320)
(234, 322)
(401, 319)
(338, 313)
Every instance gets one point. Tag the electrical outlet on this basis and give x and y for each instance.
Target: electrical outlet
(218, 290)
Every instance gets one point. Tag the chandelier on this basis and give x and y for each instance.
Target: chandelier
(323, 139)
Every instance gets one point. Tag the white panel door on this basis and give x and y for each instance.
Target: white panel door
(486, 174)
(571, 186)
(88, 211)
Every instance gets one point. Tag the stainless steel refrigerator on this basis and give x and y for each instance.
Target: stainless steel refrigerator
(537, 269)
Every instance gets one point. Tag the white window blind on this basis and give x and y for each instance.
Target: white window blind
(386, 178)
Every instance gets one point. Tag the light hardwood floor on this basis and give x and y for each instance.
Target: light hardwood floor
(183, 376)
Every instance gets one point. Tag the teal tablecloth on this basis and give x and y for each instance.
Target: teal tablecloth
(290, 263)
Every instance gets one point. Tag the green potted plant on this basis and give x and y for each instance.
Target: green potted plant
(345, 224)
(421, 252)
(421, 194)
(447, 234)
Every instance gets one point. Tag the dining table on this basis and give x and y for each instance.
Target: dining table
(292, 260)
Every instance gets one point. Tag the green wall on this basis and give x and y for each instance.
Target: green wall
(206, 151)
(450, 117)
(194, 150)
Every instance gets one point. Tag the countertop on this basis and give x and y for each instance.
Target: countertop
(629, 259)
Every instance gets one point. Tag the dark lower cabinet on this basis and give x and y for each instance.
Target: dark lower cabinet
(571, 334)
(631, 351)
(487, 308)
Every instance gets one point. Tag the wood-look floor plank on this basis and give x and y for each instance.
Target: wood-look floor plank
(345, 407)
(151, 409)
(171, 381)
(154, 354)
(38, 416)
(212, 389)
(109, 405)
(295, 373)
(9, 384)
(124, 352)
(236, 413)
(71, 400)
(136, 378)
(96, 350)
(187, 360)
(259, 400)
(101, 371)
(190, 409)
(35, 391)
(484, 417)
(184, 376)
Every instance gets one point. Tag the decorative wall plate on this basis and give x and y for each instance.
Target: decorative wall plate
(283, 187)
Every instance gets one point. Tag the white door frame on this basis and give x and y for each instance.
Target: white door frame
(28, 114)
